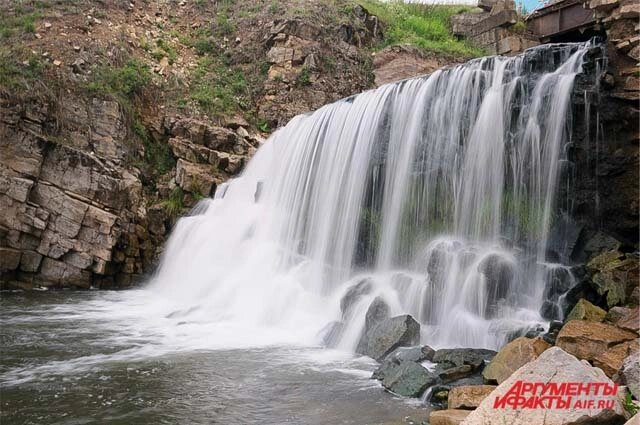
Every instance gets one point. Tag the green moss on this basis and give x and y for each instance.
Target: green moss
(158, 158)
(425, 26)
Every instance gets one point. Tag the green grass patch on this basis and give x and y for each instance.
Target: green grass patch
(20, 23)
(14, 74)
(122, 82)
(175, 203)
(217, 88)
(425, 26)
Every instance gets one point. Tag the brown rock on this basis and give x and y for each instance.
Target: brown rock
(587, 340)
(400, 62)
(468, 396)
(625, 318)
(512, 356)
(448, 417)
(195, 178)
(611, 360)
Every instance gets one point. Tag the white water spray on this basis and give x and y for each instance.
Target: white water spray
(439, 191)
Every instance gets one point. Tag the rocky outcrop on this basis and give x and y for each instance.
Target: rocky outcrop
(396, 63)
(72, 213)
(513, 356)
(75, 210)
(553, 366)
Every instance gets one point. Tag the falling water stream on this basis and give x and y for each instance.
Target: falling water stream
(436, 193)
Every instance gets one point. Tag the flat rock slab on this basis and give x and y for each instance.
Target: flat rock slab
(448, 417)
(468, 396)
(587, 340)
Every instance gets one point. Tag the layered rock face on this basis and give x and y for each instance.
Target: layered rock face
(72, 214)
(75, 212)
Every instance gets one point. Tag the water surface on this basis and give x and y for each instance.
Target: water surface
(103, 357)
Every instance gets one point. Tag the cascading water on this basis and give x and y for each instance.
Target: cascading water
(433, 195)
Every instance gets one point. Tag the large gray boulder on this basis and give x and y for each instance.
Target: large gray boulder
(630, 374)
(386, 336)
(376, 313)
(415, 354)
(552, 366)
(409, 379)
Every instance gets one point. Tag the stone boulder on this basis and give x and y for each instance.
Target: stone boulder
(456, 357)
(353, 295)
(386, 336)
(468, 396)
(416, 354)
(630, 374)
(512, 357)
(553, 366)
(448, 417)
(625, 318)
(376, 313)
(409, 379)
(587, 340)
(611, 360)
(584, 310)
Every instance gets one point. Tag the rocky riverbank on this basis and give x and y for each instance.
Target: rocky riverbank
(597, 342)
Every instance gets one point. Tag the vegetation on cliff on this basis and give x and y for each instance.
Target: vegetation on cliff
(421, 25)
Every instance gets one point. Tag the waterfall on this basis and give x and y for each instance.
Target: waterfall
(434, 195)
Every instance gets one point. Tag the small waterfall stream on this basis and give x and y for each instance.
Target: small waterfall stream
(437, 192)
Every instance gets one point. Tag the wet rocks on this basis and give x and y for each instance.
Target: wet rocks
(456, 357)
(552, 366)
(587, 340)
(409, 379)
(376, 313)
(353, 295)
(416, 354)
(390, 334)
(513, 356)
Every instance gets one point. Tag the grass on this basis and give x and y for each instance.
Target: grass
(425, 26)
(217, 88)
(13, 74)
(175, 203)
(20, 23)
(123, 82)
